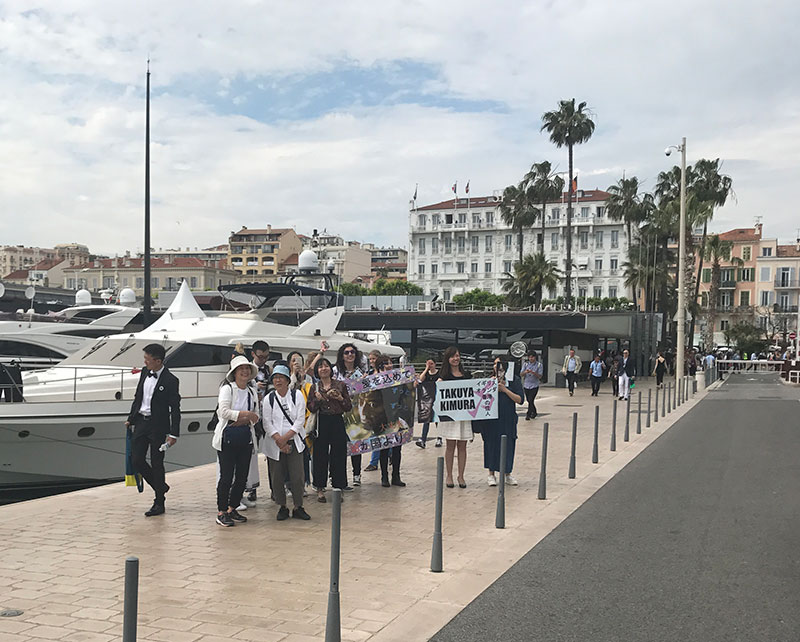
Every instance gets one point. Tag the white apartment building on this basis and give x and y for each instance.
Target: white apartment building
(458, 246)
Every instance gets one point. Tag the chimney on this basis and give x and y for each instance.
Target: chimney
(269, 227)
(96, 263)
(758, 229)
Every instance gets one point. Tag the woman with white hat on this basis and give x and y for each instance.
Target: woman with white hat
(234, 437)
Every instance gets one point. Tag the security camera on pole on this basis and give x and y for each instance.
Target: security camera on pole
(681, 315)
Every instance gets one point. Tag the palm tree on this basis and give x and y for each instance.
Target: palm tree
(517, 211)
(543, 187)
(625, 203)
(568, 126)
(531, 275)
(716, 250)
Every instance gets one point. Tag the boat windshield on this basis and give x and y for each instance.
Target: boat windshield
(118, 351)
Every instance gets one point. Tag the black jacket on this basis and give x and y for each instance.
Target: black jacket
(629, 367)
(165, 406)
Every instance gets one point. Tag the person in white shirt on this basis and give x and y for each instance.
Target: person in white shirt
(284, 415)
(234, 437)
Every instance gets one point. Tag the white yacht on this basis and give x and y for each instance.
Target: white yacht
(70, 426)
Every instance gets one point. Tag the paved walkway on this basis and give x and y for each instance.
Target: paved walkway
(698, 539)
(62, 558)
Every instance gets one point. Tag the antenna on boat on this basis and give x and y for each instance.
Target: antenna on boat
(146, 259)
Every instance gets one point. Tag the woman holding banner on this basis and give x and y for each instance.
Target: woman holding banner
(384, 364)
(509, 394)
(351, 365)
(456, 433)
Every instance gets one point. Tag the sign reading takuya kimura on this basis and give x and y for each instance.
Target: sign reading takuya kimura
(466, 399)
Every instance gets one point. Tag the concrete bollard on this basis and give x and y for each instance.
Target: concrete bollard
(574, 445)
(500, 516)
(333, 623)
(627, 435)
(436, 552)
(131, 600)
(639, 414)
(596, 445)
(649, 398)
(655, 414)
(614, 427)
(543, 470)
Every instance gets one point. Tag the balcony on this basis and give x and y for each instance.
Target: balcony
(727, 285)
(787, 284)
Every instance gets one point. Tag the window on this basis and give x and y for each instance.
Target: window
(766, 274)
(489, 218)
(507, 267)
(581, 293)
(704, 299)
(434, 246)
(584, 238)
(421, 220)
(614, 264)
(447, 267)
(139, 282)
(488, 245)
(475, 241)
(434, 269)
(435, 218)
(612, 291)
(509, 241)
(193, 282)
(462, 218)
(555, 213)
(448, 245)
(554, 241)
(421, 269)
(767, 251)
(487, 267)
(598, 292)
(725, 299)
(747, 274)
(766, 297)
(746, 252)
(422, 246)
(461, 244)
(706, 275)
(193, 355)
(783, 302)
(744, 299)
(476, 220)
(448, 219)
(614, 238)
(784, 277)
(584, 212)
(598, 265)
(473, 267)
(601, 211)
(724, 325)
(22, 349)
(727, 274)
(598, 239)
(460, 267)
(446, 295)
(154, 283)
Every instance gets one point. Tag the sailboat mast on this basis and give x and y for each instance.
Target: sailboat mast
(146, 260)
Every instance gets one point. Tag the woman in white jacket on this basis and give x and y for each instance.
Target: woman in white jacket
(234, 437)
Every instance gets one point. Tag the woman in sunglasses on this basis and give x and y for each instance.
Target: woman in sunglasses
(351, 365)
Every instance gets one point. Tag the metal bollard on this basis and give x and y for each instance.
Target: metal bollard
(333, 623)
(500, 516)
(669, 397)
(663, 399)
(649, 397)
(596, 445)
(436, 553)
(627, 435)
(678, 391)
(131, 599)
(543, 470)
(694, 387)
(614, 428)
(639, 415)
(574, 444)
(655, 414)
(674, 395)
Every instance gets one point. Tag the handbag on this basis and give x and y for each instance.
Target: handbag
(237, 436)
(311, 424)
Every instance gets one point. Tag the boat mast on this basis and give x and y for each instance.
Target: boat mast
(146, 260)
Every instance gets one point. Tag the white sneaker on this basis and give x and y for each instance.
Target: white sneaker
(491, 480)
(242, 506)
(356, 480)
(511, 481)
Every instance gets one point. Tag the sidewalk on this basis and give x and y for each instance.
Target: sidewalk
(63, 557)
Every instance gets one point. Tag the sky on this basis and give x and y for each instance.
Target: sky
(327, 115)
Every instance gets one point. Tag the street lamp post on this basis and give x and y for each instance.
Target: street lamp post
(681, 347)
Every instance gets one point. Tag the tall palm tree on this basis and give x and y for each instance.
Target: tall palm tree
(517, 211)
(568, 126)
(716, 250)
(626, 204)
(531, 275)
(543, 187)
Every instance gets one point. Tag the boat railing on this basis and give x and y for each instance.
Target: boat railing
(113, 384)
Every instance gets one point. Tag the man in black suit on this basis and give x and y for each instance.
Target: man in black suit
(156, 419)
(627, 371)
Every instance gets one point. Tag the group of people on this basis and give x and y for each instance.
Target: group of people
(620, 369)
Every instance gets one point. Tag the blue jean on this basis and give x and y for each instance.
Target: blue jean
(376, 454)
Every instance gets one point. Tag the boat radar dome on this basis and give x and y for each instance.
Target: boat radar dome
(127, 297)
(307, 262)
(83, 297)
(331, 266)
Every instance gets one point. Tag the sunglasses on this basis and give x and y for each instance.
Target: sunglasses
(349, 352)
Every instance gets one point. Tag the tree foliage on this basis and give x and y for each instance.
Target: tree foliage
(746, 337)
(479, 298)
(531, 275)
(381, 287)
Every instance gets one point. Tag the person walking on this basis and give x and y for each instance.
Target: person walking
(627, 371)
(284, 414)
(384, 364)
(532, 372)
(613, 373)
(155, 419)
(330, 399)
(235, 437)
(596, 370)
(509, 394)
(426, 394)
(660, 369)
(570, 369)
(455, 433)
(351, 365)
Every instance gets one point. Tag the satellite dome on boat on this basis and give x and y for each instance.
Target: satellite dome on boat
(127, 297)
(307, 262)
(83, 297)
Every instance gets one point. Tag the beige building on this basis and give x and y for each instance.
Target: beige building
(18, 257)
(49, 272)
(350, 259)
(778, 283)
(128, 272)
(258, 255)
(388, 262)
(216, 253)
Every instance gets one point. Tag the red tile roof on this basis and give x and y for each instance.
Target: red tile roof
(741, 234)
(218, 248)
(789, 250)
(17, 275)
(274, 230)
(47, 264)
(138, 263)
(490, 201)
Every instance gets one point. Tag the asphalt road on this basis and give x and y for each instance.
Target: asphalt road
(698, 539)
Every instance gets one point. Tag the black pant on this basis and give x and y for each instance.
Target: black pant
(234, 464)
(596, 381)
(530, 396)
(355, 460)
(330, 450)
(144, 437)
(659, 377)
(425, 428)
(614, 384)
(571, 380)
(384, 458)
